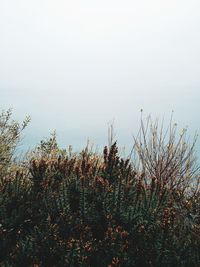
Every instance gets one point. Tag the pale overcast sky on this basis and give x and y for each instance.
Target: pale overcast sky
(76, 65)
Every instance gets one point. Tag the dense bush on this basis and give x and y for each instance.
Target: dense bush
(60, 208)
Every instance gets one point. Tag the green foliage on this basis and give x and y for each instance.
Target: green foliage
(84, 209)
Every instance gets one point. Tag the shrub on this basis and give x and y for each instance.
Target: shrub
(10, 134)
(86, 209)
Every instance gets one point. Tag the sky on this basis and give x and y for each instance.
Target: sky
(76, 66)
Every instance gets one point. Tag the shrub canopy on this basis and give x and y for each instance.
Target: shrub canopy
(61, 208)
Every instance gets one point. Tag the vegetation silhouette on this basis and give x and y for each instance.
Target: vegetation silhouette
(60, 208)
